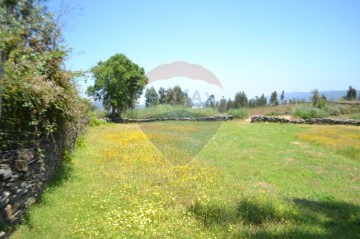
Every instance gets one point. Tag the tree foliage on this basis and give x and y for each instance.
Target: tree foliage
(230, 104)
(241, 100)
(315, 97)
(282, 97)
(174, 96)
(118, 83)
(351, 93)
(258, 101)
(37, 93)
(273, 99)
(210, 102)
(151, 97)
(222, 105)
(162, 95)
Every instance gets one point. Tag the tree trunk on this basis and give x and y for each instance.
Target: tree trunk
(113, 113)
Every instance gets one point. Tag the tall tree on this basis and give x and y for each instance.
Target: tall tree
(351, 93)
(262, 100)
(230, 104)
(222, 105)
(273, 99)
(315, 97)
(241, 100)
(282, 97)
(179, 96)
(162, 95)
(188, 100)
(210, 102)
(118, 83)
(151, 97)
(170, 96)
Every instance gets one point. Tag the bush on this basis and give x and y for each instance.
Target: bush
(96, 118)
(239, 113)
(334, 110)
(308, 112)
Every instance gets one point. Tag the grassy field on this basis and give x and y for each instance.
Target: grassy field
(212, 180)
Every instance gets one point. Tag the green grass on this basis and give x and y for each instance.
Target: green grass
(355, 116)
(239, 113)
(246, 181)
(169, 111)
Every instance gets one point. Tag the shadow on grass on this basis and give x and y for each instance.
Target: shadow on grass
(307, 219)
(62, 175)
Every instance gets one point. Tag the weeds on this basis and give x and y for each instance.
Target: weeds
(239, 113)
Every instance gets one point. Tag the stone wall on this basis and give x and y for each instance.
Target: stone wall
(272, 119)
(23, 174)
(212, 118)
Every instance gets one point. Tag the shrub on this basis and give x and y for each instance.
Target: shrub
(239, 113)
(308, 112)
(96, 118)
(334, 110)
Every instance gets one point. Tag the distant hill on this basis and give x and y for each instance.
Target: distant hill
(330, 95)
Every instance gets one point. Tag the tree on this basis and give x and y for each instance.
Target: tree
(315, 97)
(230, 104)
(351, 93)
(188, 100)
(151, 97)
(322, 101)
(210, 102)
(282, 97)
(241, 100)
(262, 100)
(162, 95)
(253, 102)
(273, 99)
(179, 96)
(222, 105)
(118, 83)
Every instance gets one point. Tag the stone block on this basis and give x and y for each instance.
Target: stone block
(5, 174)
(21, 165)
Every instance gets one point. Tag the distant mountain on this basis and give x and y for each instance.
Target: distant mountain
(330, 95)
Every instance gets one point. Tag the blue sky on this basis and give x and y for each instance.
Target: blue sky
(251, 46)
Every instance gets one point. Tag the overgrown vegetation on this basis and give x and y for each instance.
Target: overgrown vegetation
(307, 112)
(239, 113)
(169, 111)
(235, 187)
(38, 95)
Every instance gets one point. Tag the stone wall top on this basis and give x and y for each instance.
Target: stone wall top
(328, 121)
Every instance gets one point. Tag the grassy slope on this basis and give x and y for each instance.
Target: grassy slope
(250, 181)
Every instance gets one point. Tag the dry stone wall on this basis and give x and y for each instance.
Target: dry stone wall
(212, 118)
(23, 175)
(328, 121)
